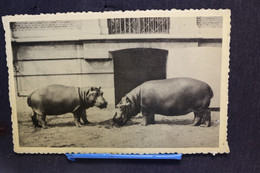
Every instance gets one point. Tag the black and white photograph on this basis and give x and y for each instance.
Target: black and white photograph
(119, 82)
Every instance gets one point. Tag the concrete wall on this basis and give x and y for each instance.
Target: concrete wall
(202, 63)
(76, 53)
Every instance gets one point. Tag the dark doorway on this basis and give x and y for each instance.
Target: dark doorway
(132, 67)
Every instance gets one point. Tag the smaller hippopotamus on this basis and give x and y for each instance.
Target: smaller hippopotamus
(60, 99)
(169, 97)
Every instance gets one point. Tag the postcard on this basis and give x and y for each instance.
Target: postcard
(141, 82)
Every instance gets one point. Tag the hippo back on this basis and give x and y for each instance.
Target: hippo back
(54, 100)
(176, 96)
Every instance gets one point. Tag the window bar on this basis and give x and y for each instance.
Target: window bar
(119, 26)
(116, 25)
(113, 26)
(128, 24)
(153, 25)
(124, 25)
(150, 25)
(130, 30)
(136, 25)
(108, 25)
(160, 25)
(167, 25)
(144, 25)
(163, 25)
(140, 25)
(147, 24)
(156, 25)
(133, 25)
(149, 20)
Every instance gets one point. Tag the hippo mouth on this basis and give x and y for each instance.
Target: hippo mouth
(119, 121)
(101, 106)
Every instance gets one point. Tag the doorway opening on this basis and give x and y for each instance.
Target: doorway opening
(133, 67)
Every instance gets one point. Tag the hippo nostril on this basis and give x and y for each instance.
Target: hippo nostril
(104, 105)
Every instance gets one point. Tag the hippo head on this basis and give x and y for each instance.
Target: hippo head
(123, 111)
(94, 97)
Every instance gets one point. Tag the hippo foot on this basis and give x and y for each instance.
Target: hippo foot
(197, 122)
(42, 125)
(206, 124)
(37, 126)
(45, 127)
(147, 123)
(87, 123)
(78, 124)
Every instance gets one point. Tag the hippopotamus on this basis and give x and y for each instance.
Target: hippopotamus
(60, 99)
(169, 97)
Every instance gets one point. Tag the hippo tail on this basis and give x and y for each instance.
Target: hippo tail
(29, 100)
(210, 92)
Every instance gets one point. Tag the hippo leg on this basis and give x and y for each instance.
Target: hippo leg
(206, 119)
(148, 117)
(197, 118)
(84, 117)
(41, 120)
(202, 117)
(77, 118)
(34, 119)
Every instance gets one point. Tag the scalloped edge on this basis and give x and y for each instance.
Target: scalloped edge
(223, 144)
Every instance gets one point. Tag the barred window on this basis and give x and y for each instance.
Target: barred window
(45, 25)
(209, 22)
(139, 25)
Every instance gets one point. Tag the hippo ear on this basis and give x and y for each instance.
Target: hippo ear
(86, 92)
(91, 89)
(99, 88)
(120, 104)
(128, 101)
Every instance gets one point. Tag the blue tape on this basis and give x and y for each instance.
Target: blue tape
(72, 157)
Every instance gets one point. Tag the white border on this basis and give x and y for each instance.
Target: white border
(223, 144)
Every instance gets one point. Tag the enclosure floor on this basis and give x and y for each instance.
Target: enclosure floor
(168, 132)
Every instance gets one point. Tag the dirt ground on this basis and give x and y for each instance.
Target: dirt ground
(168, 132)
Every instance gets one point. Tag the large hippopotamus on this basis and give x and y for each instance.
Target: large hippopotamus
(170, 97)
(59, 99)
